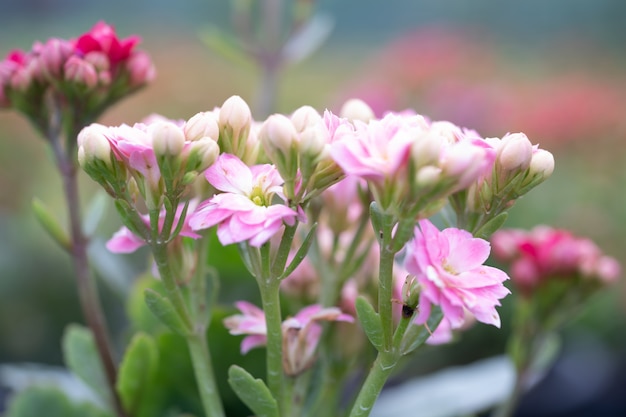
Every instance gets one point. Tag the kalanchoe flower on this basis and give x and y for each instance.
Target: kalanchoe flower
(448, 266)
(301, 333)
(410, 164)
(545, 254)
(92, 72)
(148, 153)
(245, 211)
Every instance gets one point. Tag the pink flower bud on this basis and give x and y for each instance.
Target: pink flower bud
(81, 72)
(207, 150)
(167, 138)
(53, 56)
(202, 125)
(355, 109)
(463, 161)
(140, 68)
(99, 60)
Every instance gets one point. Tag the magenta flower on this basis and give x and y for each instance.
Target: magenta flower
(125, 241)
(448, 267)
(244, 211)
(545, 253)
(301, 333)
(102, 38)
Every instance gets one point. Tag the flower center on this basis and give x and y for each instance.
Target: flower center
(257, 196)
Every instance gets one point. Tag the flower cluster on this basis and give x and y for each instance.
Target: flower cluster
(545, 254)
(93, 70)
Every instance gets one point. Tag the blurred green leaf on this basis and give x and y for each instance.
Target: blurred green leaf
(162, 308)
(136, 374)
(141, 317)
(370, 321)
(49, 402)
(81, 357)
(253, 392)
(51, 224)
(491, 226)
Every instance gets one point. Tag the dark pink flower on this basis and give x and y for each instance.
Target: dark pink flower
(102, 38)
(545, 253)
(449, 267)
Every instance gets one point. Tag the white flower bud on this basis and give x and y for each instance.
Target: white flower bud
(94, 145)
(355, 109)
(167, 138)
(515, 153)
(235, 113)
(278, 135)
(202, 125)
(207, 150)
(304, 117)
(542, 163)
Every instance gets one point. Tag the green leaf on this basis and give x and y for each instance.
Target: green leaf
(491, 226)
(51, 224)
(370, 321)
(253, 392)
(49, 402)
(301, 253)
(416, 335)
(81, 357)
(141, 318)
(165, 311)
(378, 220)
(137, 373)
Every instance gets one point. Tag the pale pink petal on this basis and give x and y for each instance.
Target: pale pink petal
(124, 241)
(230, 174)
(250, 342)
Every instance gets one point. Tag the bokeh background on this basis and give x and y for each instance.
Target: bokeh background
(555, 70)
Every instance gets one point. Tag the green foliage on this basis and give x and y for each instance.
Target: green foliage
(163, 308)
(50, 224)
(136, 375)
(370, 320)
(141, 318)
(50, 402)
(253, 392)
(81, 357)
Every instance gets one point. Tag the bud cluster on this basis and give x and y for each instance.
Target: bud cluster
(95, 70)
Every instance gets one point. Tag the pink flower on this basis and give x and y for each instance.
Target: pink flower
(102, 38)
(448, 267)
(125, 241)
(244, 212)
(545, 253)
(378, 150)
(301, 333)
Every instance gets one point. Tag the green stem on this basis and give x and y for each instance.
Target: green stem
(205, 377)
(159, 251)
(379, 373)
(196, 339)
(271, 307)
(385, 281)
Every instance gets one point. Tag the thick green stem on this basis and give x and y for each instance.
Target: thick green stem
(205, 377)
(379, 373)
(273, 320)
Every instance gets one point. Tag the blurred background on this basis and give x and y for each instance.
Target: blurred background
(554, 70)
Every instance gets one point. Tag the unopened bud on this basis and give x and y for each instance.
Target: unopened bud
(541, 164)
(206, 150)
(428, 175)
(167, 138)
(202, 125)
(54, 54)
(81, 72)
(140, 68)
(355, 109)
(515, 153)
(278, 136)
(93, 145)
(304, 117)
(426, 149)
(235, 119)
(99, 60)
